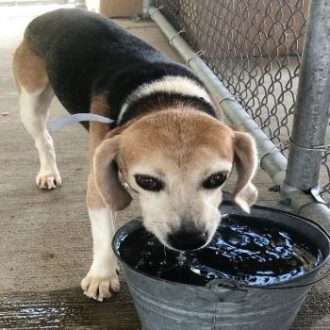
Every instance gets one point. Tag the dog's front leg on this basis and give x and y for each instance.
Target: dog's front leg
(102, 278)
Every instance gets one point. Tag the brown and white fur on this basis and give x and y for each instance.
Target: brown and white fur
(175, 142)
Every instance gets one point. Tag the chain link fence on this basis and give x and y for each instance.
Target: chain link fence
(255, 49)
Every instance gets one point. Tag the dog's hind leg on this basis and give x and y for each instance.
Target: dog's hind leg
(35, 98)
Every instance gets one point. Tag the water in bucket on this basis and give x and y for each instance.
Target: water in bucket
(256, 254)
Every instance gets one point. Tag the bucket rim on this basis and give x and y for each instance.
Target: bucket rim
(272, 209)
(138, 223)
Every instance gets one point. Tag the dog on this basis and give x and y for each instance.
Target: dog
(166, 143)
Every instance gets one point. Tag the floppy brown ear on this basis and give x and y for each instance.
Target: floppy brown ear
(106, 175)
(245, 193)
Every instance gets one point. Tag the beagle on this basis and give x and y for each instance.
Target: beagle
(166, 142)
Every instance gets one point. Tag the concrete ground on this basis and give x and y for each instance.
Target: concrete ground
(45, 241)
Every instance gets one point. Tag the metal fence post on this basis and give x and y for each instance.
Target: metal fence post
(313, 100)
(146, 4)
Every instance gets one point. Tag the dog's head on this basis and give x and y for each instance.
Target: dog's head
(177, 162)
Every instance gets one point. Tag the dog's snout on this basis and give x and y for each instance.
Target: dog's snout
(187, 239)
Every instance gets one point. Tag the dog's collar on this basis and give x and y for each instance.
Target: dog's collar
(61, 122)
(179, 85)
(165, 100)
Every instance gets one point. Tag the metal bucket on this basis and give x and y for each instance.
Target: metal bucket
(166, 305)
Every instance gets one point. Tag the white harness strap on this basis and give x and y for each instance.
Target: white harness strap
(61, 122)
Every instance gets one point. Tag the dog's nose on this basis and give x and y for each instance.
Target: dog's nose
(184, 239)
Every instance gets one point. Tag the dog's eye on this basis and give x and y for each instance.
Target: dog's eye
(149, 183)
(215, 180)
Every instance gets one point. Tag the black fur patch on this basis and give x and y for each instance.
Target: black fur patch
(87, 54)
(121, 85)
(161, 100)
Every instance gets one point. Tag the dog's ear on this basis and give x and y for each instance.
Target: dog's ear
(106, 175)
(245, 193)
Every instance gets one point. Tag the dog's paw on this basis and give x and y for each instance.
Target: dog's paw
(100, 288)
(48, 179)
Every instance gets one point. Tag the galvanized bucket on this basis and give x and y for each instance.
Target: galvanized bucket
(226, 305)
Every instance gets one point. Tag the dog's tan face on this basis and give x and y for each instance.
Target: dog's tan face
(177, 162)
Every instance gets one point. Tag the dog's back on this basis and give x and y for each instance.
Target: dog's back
(87, 54)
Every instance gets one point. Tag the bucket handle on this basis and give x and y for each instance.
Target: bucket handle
(227, 290)
(217, 285)
(322, 277)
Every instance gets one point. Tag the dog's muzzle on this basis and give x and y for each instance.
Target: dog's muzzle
(186, 239)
